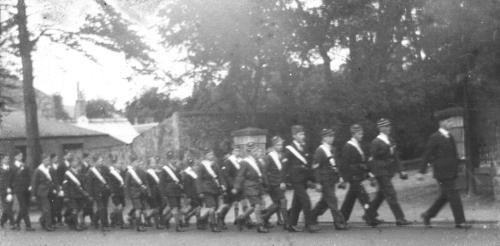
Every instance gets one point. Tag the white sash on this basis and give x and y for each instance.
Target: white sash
(73, 178)
(297, 154)
(66, 163)
(18, 164)
(328, 154)
(254, 165)
(276, 159)
(208, 167)
(355, 144)
(234, 161)
(45, 171)
(116, 174)
(171, 173)
(98, 175)
(134, 175)
(152, 173)
(189, 171)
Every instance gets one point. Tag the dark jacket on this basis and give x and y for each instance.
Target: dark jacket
(41, 185)
(274, 175)
(22, 179)
(383, 163)
(133, 188)
(94, 185)
(248, 179)
(169, 186)
(324, 170)
(208, 184)
(189, 184)
(6, 178)
(73, 190)
(441, 153)
(116, 186)
(353, 166)
(296, 170)
(229, 172)
(60, 171)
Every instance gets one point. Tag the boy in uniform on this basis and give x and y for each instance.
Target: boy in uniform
(21, 188)
(75, 193)
(137, 190)
(99, 190)
(171, 183)
(43, 186)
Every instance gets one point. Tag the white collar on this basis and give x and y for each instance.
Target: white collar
(18, 164)
(253, 163)
(444, 132)
(355, 143)
(384, 138)
(275, 156)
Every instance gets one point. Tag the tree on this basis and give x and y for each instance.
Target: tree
(100, 108)
(151, 105)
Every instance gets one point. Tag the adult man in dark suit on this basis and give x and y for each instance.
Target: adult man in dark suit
(274, 170)
(384, 164)
(6, 197)
(299, 173)
(251, 181)
(326, 177)
(441, 153)
(99, 190)
(354, 170)
(20, 186)
(43, 186)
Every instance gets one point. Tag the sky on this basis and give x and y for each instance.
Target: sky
(58, 70)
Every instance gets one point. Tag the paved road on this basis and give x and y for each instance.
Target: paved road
(441, 234)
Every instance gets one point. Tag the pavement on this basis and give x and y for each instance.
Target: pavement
(414, 197)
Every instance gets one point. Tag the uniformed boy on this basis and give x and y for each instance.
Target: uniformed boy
(251, 181)
(299, 174)
(42, 186)
(275, 173)
(171, 185)
(229, 168)
(354, 170)
(76, 194)
(189, 176)
(155, 197)
(117, 187)
(99, 190)
(6, 192)
(384, 165)
(137, 189)
(57, 199)
(326, 177)
(21, 188)
(88, 207)
(210, 186)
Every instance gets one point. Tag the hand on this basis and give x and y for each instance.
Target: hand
(318, 187)
(420, 177)
(234, 191)
(283, 186)
(403, 175)
(29, 188)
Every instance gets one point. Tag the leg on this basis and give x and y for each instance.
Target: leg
(295, 209)
(449, 188)
(331, 200)
(349, 200)
(391, 198)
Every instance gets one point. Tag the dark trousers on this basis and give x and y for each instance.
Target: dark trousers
(88, 210)
(57, 208)
(356, 191)
(449, 193)
(328, 200)
(101, 215)
(386, 192)
(7, 212)
(300, 202)
(45, 207)
(23, 198)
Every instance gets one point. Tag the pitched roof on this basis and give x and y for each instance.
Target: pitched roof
(140, 128)
(119, 128)
(14, 126)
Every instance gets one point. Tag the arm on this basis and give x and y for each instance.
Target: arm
(428, 154)
(317, 160)
(238, 181)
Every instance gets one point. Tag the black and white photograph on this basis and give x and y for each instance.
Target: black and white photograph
(249, 122)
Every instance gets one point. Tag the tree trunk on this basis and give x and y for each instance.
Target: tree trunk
(25, 47)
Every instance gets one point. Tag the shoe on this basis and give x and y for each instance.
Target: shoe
(262, 229)
(49, 228)
(403, 222)
(29, 228)
(371, 221)
(140, 228)
(240, 224)
(426, 219)
(292, 228)
(16, 228)
(105, 228)
(179, 228)
(340, 227)
(313, 228)
(280, 222)
(463, 226)
(267, 225)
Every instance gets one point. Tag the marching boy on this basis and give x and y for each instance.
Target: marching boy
(137, 190)
(76, 194)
